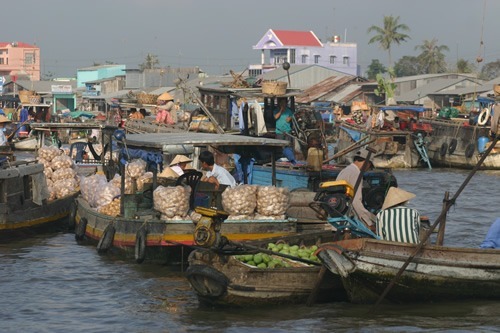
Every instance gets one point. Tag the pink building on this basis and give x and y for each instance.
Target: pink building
(19, 58)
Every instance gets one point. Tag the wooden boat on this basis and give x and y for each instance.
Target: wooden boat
(458, 144)
(219, 278)
(140, 230)
(366, 266)
(23, 209)
(396, 149)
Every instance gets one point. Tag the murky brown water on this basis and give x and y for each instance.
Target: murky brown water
(51, 284)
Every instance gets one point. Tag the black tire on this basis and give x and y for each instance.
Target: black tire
(207, 281)
(80, 229)
(444, 149)
(106, 241)
(453, 146)
(72, 215)
(469, 150)
(140, 245)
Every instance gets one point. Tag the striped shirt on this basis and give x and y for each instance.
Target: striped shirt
(399, 224)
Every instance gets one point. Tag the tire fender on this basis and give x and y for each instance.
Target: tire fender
(140, 245)
(444, 149)
(80, 229)
(106, 241)
(72, 215)
(469, 150)
(483, 117)
(453, 146)
(207, 281)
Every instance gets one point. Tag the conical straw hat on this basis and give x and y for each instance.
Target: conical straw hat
(396, 196)
(4, 119)
(168, 173)
(180, 159)
(165, 97)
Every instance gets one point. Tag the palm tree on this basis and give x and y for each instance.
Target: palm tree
(464, 66)
(389, 34)
(432, 57)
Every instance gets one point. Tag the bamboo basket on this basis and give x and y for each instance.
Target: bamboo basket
(24, 96)
(35, 99)
(143, 98)
(275, 88)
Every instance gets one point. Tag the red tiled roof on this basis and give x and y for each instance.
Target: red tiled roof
(19, 44)
(300, 38)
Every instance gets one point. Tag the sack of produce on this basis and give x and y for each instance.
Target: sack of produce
(111, 209)
(106, 194)
(64, 187)
(136, 168)
(129, 183)
(48, 152)
(89, 187)
(240, 200)
(172, 201)
(63, 173)
(272, 200)
(146, 178)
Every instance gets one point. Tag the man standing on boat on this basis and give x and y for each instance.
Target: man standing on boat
(351, 174)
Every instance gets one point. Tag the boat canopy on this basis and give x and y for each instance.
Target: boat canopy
(165, 141)
(403, 108)
(77, 126)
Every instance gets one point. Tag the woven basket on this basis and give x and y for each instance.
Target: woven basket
(24, 96)
(143, 98)
(35, 99)
(274, 87)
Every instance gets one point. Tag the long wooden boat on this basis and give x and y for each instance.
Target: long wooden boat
(23, 210)
(458, 144)
(220, 279)
(139, 227)
(367, 266)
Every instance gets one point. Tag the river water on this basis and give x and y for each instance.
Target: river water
(51, 284)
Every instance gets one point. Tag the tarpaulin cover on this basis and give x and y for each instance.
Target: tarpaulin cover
(152, 159)
(355, 135)
(403, 108)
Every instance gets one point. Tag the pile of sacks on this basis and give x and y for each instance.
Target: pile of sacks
(251, 202)
(172, 201)
(59, 172)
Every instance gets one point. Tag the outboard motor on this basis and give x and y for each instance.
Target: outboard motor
(335, 197)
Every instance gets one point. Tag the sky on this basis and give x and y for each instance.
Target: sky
(218, 35)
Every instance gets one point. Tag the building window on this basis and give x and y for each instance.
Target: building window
(2, 61)
(292, 56)
(332, 59)
(304, 58)
(29, 58)
(346, 60)
(316, 59)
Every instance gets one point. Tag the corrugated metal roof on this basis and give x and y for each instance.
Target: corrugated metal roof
(430, 88)
(164, 140)
(323, 88)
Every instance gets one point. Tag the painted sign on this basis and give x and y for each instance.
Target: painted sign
(61, 89)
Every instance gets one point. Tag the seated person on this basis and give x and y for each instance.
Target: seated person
(492, 239)
(179, 164)
(398, 223)
(215, 173)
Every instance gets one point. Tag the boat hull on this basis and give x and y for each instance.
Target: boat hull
(222, 280)
(435, 274)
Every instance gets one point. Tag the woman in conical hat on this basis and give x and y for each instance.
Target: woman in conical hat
(179, 164)
(168, 173)
(398, 223)
(3, 121)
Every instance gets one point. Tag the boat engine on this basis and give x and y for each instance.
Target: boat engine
(207, 230)
(335, 197)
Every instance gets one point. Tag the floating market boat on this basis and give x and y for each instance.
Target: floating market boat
(24, 205)
(219, 277)
(403, 147)
(366, 267)
(139, 229)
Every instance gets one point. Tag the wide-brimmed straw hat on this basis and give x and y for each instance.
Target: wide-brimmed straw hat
(396, 196)
(165, 97)
(4, 119)
(168, 173)
(180, 159)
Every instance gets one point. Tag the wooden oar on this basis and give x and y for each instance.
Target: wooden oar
(446, 207)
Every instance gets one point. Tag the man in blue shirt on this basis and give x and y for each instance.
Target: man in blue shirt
(283, 116)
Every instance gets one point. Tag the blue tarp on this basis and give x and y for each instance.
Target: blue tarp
(355, 135)
(492, 239)
(403, 108)
(152, 159)
(76, 114)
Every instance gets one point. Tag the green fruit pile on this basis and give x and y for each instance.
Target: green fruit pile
(303, 252)
(262, 260)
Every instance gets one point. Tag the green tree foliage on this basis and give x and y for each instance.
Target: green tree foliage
(390, 33)
(431, 57)
(376, 67)
(386, 87)
(150, 62)
(407, 66)
(490, 70)
(464, 66)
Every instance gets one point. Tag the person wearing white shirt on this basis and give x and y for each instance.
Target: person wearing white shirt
(215, 173)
